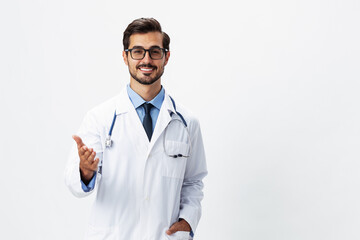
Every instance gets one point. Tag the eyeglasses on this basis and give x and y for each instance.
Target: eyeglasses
(155, 53)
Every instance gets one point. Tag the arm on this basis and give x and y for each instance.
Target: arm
(196, 170)
(83, 162)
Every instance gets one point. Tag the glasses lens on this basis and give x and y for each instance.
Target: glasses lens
(156, 53)
(138, 53)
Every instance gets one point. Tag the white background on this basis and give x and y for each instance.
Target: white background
(275, 85)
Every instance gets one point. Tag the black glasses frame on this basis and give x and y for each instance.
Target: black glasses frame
(164, 50)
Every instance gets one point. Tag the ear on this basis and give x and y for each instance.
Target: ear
(167, 56)
(125, 57)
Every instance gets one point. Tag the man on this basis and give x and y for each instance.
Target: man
(142, 152)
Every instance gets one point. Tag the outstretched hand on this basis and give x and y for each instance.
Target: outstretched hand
(88, 163)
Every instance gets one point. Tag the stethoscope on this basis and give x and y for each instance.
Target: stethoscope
(108, 141)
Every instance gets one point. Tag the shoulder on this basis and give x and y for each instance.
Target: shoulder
(104, 112)
(190, 118)
(108, 105)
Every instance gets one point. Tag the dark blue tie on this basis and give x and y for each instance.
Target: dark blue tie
(147, 123)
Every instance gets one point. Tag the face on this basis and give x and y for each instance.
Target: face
(146, 71)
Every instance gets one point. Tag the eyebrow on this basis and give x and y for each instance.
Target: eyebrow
(153, 46)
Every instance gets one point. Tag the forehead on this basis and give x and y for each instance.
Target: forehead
(146, 40)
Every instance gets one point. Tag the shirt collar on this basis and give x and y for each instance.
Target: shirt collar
(137, 100)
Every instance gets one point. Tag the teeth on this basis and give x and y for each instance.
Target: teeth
(146, 69)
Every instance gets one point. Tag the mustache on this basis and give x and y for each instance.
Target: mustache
(146, 65)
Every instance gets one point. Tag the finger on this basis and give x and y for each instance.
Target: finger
(78, 141)
(87, 154)
(94, 165)
(83, 150)
(91, 157)
(90, 164)
(173, 229)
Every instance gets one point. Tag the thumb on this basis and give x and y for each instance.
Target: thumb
(173, 229)
(78, 141)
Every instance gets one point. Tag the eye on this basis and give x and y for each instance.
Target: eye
(138, 51)
(156, 50)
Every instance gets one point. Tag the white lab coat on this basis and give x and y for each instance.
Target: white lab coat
(141, 191)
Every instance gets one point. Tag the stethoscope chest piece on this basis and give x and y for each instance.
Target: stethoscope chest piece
(108, 142)
(179, 120)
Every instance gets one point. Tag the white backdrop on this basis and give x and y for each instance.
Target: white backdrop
(275, 85)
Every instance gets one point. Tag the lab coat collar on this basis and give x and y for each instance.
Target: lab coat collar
(123, 103)
(137, 100)
(168, 104)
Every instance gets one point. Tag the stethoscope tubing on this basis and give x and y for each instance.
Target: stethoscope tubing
(108, 141)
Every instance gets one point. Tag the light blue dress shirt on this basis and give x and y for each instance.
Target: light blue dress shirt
(137, 101)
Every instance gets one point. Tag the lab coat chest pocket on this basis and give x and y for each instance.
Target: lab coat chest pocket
(174, 167)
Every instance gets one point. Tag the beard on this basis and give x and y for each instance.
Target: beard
(146, 79)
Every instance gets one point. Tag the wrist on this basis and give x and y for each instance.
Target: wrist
(188, 227)
(86, 175)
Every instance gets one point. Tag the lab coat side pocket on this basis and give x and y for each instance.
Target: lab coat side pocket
(180, 235)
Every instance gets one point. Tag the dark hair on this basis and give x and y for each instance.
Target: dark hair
(144, 25)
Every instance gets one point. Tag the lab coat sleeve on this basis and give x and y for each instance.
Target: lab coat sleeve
(90, 135)
(196, 170)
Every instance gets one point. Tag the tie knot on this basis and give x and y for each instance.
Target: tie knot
(147, 107)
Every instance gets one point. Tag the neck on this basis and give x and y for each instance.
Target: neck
(147, 92)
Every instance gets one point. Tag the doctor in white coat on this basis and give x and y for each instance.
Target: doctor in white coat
(149, 179)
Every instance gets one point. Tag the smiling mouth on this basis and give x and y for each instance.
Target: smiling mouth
(146, 68)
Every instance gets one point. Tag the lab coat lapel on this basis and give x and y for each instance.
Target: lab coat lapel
(124, 105)
(163, 120)
(121, 103)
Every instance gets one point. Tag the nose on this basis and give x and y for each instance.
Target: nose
(147, 57)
